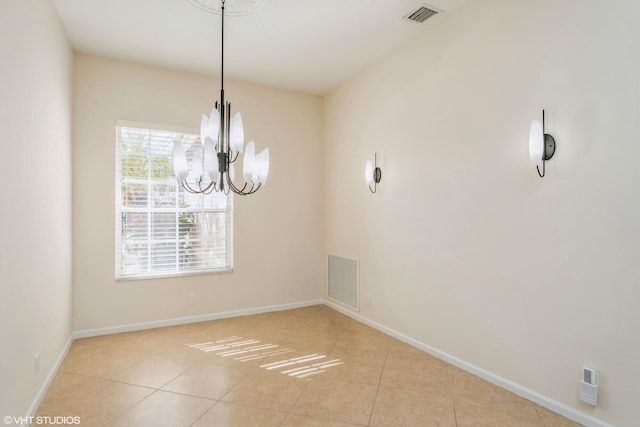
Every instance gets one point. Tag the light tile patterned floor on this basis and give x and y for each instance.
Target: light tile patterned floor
(306, 367)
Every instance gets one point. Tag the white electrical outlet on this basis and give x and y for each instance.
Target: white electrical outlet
(589, 386)
(37, 363)
(192, 298)
(367, 299)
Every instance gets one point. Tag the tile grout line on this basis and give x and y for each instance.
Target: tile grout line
(386, 357)
(453, 394)
(131, 407)
(539, 416)
(331, 326)
(249, 372)
(204, 413)
(455, 415)
(153, 390)
(110, 380)
(177, 376)
(289, 411)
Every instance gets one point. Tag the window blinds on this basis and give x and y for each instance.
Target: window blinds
(162, 230)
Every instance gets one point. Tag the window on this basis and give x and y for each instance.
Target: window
(162, 230)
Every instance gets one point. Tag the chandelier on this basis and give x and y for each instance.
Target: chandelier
(221, 142)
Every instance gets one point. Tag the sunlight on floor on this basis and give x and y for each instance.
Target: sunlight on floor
(306, 370)
(251, 349)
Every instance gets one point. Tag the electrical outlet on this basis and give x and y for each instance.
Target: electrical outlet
(37, 363)
(589, 386)
(367, 300)
(192, 298)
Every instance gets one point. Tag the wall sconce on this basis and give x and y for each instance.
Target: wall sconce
(541, 145)
(372, 174)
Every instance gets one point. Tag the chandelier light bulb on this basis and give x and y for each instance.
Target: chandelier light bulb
(249, 163)
(263, 166)
(180, 167)
(236, 133)
(210, 159)
(210, 126)
(196, 166)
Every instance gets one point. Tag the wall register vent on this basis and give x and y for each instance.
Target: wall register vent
(343, 281)
(422, 14)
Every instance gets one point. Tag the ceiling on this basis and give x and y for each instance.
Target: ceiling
(307, 46)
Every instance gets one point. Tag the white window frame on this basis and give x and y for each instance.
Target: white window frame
(188, 136)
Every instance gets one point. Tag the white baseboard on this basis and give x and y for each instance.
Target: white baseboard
(52, 374)
(544, 401)
(191, 319)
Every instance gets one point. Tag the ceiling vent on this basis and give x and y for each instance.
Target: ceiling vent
(421, 14)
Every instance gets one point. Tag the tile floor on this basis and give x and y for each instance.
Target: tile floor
(306, 367)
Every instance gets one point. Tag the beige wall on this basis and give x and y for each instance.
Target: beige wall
(35, 219)
(278, 231)
(464, 247)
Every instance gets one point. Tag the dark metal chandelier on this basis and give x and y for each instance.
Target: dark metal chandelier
(222, 141)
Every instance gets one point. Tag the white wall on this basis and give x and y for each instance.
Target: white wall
(278, 231)
(464, 248)
(35, 219)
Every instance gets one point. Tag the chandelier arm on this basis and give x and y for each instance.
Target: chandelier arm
(209, 188)
(233, 159)
(233, 187)
(242, 192)
(186, 186)
(253, 190)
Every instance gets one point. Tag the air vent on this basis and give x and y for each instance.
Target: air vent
(343, 283)
(421, 14)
